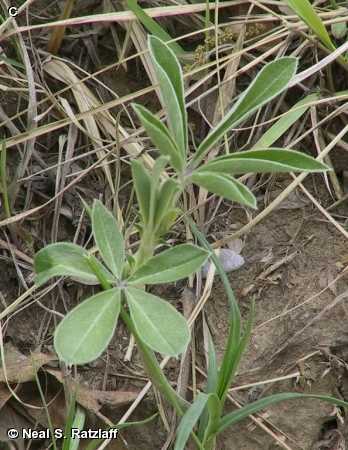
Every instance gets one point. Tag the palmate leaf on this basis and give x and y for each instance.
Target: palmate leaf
(226, 186)
(169, 76)
(66, 259)
(108, 238)
(171, 265)
(264, 160)
(252, 408)
(160, 136)
(86, 331)
(157, 322)
(270, 82)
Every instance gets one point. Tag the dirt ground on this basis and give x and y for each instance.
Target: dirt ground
(292, 331)
(294, 270)
(304, 339)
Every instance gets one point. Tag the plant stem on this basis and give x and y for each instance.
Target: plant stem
(146, 249)
(98, 273)
(211, 444)
(232, 353)
(154, 370)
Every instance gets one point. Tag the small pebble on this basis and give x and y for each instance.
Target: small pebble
(229, 259)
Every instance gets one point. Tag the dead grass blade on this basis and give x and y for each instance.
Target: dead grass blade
(85, 101)
(123, 16)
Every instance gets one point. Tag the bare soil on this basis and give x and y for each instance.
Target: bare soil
(294, 270)
(292, 260)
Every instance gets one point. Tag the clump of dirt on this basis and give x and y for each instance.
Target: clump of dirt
(310, 255)
(291, 259)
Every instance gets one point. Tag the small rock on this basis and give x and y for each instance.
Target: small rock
(229, 259)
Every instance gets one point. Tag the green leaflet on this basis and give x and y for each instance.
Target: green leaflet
(157, 322)
(263, 160)
(166, 201)
(171, 265)
(142, 185)
(108, 238)
(270, 82)
(66, 259)
(226, 186)
(160, 136)
(169, 75)
(86, 331)
(167, 221)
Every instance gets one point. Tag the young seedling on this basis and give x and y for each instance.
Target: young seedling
(157, 327)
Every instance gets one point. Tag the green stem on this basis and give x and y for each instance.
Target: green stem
(156, 374)
(232, 352)
(98, 273)
(210, 444)
(154, 370)
(146, 249)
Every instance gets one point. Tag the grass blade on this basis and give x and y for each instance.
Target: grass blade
(305, 10)
(252, 408)
(282, 125)
(153, 27)
(189, 421)
(231, 354)
(95, 444)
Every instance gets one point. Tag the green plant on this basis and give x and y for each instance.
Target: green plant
(153, 27)
(307, 13)
(157, 327)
